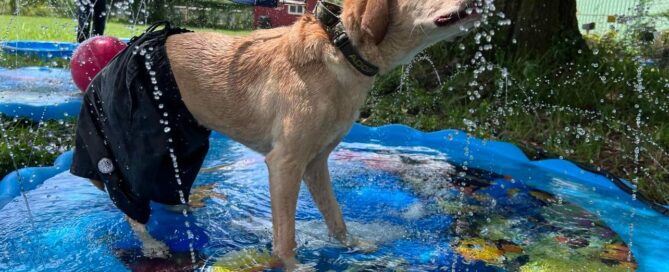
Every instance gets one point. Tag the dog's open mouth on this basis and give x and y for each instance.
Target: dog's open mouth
(453, 18)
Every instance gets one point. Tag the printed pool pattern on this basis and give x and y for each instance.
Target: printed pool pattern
(423, 212)
(500, 222)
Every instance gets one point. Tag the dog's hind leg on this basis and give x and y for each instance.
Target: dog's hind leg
(317, 178)
(151, 247)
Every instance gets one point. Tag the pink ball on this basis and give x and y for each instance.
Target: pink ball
(91, 56)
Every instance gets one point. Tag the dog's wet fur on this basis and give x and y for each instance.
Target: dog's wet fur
(289, 94)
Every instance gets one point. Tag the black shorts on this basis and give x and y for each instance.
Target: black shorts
(132, 121)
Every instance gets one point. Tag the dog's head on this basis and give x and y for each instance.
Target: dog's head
(392, 32)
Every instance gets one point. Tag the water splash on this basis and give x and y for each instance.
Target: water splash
(169, 144)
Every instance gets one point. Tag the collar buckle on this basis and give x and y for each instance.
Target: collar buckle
(341, 40)
(327, 13)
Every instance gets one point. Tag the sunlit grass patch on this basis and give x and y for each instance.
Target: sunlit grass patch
(64, 29)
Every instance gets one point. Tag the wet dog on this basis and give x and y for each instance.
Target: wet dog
(293, 93)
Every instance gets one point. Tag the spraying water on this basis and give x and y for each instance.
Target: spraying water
(513, 97)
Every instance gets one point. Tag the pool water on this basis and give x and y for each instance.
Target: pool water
(39, 93)
(36, 85)
(426, 208)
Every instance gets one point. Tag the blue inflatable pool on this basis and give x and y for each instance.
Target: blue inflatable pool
(43, 50)
(261, 3)
(430, 201)
(442, 199)
(38, 93)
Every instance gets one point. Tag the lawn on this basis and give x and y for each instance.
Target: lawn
(64, 29)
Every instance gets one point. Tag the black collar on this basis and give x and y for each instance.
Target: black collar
(328, 14)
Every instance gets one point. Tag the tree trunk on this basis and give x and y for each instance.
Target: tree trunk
(12, 6)
(539, 25)
(157, 11)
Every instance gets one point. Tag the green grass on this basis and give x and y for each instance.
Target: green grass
(584, 111)
(31, 143)
(62, 29)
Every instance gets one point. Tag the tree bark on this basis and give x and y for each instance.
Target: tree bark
(157, 11)
(539, 25)
(12, 6)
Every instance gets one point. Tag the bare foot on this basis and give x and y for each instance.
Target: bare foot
(151, 247)
(155, 249)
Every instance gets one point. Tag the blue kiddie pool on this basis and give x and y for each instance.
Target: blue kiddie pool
(38, 93)
(429, 201)
(43, 50)
(261, 3)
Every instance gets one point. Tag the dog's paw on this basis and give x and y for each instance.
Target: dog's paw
(304, 268)
(155, 249)
(363, 246)
(298, 267)
(291, 264)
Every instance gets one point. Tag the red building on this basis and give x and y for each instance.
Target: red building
(285, 14)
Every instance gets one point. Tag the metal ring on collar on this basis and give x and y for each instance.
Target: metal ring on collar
(328, 13)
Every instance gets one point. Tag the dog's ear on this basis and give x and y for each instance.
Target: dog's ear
(375, 19)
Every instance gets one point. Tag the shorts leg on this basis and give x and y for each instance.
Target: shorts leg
(94, 159)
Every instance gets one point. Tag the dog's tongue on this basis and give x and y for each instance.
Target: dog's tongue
(454, 17)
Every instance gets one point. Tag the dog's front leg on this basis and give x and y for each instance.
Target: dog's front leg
(317, 178)
(285, 172)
